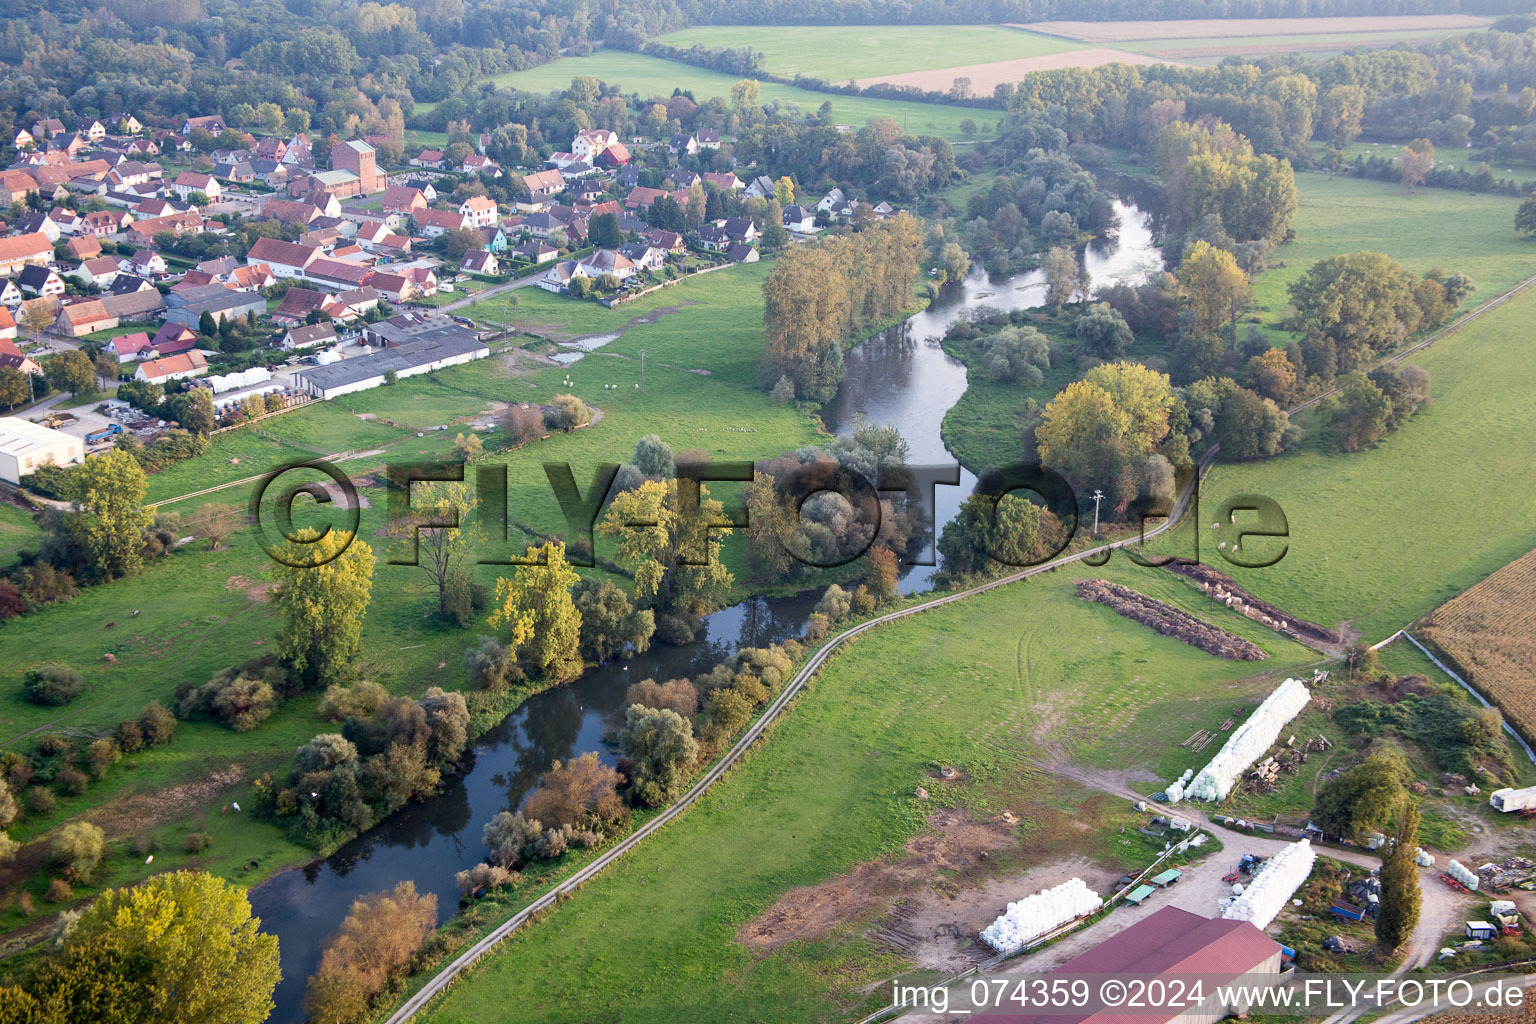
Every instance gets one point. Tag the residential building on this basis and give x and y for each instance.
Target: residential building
(285, 259)
(40, 281)
(799, 219)
(480, 211)
(168, 368)
(480, 261)
(97, 273)
(189, 182)
(131, 348)
(544, 183)
(588, 144)
(308, 336)
(17, 251)
(439, 222)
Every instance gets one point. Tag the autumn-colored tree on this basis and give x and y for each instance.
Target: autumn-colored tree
(882, 574)
(441, 553)
(674, 550)
(535, 605)
(1272, 375)
(581, 792)
(322, 605)
(1213, 285)
(107, 517)
(1061, 273)
(197, 954)
(374, 946)
(1099, 430)
(1414, 162)
(217, 522)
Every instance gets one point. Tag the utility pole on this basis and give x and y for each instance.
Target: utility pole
(642, 370)
(1098, 496)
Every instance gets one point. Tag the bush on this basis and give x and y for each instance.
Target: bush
(231, 696)
(130, 738)
(511, 838)
(484, 876)
(197, 842)
(491, 666)
(356, 701)
(40, 800)
(156, 724)
(101, 755)
(143, 844)
(676, 694)
(50, 755)
(579, 793)
(835, 603)
(9, 809)
(77, 849)
(52, 685)
(73, 781)
(59, 891)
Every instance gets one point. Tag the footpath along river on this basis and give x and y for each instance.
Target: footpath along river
(899, 378)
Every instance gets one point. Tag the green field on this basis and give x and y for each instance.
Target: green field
(1382, 536)
(196, 611)
(652, 76)
(1316, 45)
(839, 53)
(1025, 671)
(1427, 228)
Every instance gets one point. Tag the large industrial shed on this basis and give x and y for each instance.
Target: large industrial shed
(26, 446)
(448, 346)
(1168, 944)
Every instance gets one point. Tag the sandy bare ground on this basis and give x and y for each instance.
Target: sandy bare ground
(1232, 28)
(984, 77)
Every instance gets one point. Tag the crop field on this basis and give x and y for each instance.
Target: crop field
(1132, 32)
(1026, 671)
(837, 53)
(1382, 536)
(986, 77)
(1428, 228)
(652, 76)
(1488, 630)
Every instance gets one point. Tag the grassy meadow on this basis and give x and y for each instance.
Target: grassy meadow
(1027, 671)
(653, 76)
(837, 53)
(1382, 536)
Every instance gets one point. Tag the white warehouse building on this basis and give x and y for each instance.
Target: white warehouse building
(26, 447)
(447, 346)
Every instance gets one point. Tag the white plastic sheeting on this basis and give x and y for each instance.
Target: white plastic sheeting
(1507, 800)
(238, 379)
(1273, 886)
(1043, 912)
(1249, 742)
(1462, 875)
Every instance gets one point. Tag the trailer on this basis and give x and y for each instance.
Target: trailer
(98, 436)
(1347, 911)
(1139, 895)
(1481, 930)
(1511, 800)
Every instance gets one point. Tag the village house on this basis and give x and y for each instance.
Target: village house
(83, 247)
(81, 318)
(799, 219)
(131, 348)
(213, 124)
(480, 261)
(39, 224)
(535, 251)
(96, 273)
(40, 281)
(307, 336)
(17, 251)
(479, 211)
(403, 199)
(144, 262)
(432, 158)
(167, 368)
(284, 259)
(544, 183)
(189, 182)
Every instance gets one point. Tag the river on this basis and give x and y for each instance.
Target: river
(899, 378)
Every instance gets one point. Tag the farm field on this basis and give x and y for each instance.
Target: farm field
(1487, 631)
(634, 72)
(677, 923)
(987, 76)
(837, 53)
(1382, 536)
(1131, 32)
(1428, 228)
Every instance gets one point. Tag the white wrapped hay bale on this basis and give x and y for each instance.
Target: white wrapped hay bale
(1249, 742)
(1462, 875)
(1043, 912)
(1273, 886)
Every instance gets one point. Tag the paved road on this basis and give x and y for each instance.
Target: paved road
(413, 1005)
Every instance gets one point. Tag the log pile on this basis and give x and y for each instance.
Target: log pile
(1169, 621)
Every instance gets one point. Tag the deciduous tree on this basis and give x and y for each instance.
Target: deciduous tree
(322, 606)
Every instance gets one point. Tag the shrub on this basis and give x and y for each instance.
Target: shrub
(157, 724)
(676, 694)
(25, 905)
(485, 876)
(231, 696)
(579, 793)
(59, 891)
(511, 838)
(130, 738)
(354, 701)
(835, 603)
(40, 800)
(101, 755)
(76, 849)
(373, 947)
(73, 781)
(491, 666)
(9, 809)
(197, 842)
(50, 755)
(143, 844)
(52, 685)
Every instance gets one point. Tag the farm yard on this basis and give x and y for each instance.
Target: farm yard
(1486, 633)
